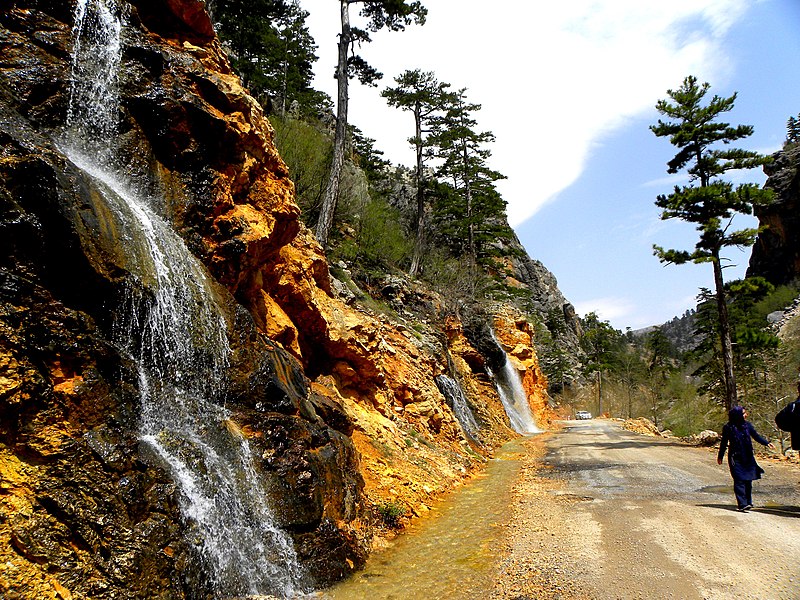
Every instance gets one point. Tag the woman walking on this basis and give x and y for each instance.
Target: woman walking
(736, 433)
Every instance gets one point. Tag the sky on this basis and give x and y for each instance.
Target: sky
(569, 91)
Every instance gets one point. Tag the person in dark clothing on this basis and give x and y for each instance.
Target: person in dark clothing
(794, 434)
(736, 434)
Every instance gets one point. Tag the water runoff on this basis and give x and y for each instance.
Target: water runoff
(174, 326)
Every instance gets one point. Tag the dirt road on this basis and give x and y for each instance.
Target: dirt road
(603, 513)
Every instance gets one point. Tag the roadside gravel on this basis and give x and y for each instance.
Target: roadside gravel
(538, 553)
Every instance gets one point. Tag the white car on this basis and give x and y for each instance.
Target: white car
(583, 415)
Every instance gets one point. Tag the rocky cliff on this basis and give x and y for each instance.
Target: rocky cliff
(337, 406)
(776, 253)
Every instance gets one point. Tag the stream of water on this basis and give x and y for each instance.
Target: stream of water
(175, 327)
(451, 553)
(455, 397)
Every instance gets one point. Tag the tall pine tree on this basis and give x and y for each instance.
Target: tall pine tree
(708, 202)
(421, 94)
(472, 218)
(272, 50)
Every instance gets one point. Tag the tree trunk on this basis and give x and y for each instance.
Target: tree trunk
(285, 74)
(599, 393)
(328, 208)
(724, 334)
(420, 239)
(630, 403)
(473, 253)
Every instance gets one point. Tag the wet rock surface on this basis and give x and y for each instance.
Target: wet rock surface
(86, 510)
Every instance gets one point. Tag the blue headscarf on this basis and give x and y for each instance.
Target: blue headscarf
(736, 415)
(740, 436)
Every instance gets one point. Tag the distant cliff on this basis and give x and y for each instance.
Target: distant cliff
(776, 253)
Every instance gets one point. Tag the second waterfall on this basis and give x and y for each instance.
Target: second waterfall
(515, 399)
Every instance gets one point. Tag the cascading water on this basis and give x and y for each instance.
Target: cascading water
(175, 327)
(455, 397)
(514, 399)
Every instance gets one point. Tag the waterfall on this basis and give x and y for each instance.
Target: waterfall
(94, 97)
(174, 326)
(514, 399)
(455, 397)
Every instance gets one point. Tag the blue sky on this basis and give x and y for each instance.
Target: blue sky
(569, 92)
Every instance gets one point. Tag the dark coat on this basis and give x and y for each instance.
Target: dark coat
(789, 419)
(794, 435)
(741, 460)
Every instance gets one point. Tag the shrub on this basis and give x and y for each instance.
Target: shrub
(307, 152)
(390, 512)
(378, 239)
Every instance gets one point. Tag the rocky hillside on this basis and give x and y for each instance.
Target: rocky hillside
(332, 409)
(776, 254)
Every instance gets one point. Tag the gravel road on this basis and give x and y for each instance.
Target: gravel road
(603, 513)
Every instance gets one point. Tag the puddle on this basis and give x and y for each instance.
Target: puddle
(717, 489)
(451, 554)
(570, 496)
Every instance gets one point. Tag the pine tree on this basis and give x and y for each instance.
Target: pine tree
(297, 58)
(472, 217)
(394, 15)
(712, 204)
(272, 50)
(420, 93)
(601, 343)
(793, 130)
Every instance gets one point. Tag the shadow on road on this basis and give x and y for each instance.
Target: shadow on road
(728, 507)
(780, 511)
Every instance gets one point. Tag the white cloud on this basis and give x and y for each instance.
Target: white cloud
(552, 78)
(608, 308)
(624, 312)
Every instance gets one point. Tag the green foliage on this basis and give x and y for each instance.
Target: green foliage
(469, 213)
(394, 15)
(367, 157)
(630, 368)
(750, 301)
(601, 343)
(684, 412)
(272, 50)
(421, 94)
(710, 206)
(306, 151)
(660, 350)
(555, 362)
(793, 130)
(390, 513)
(454, 279)
(379, 240)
